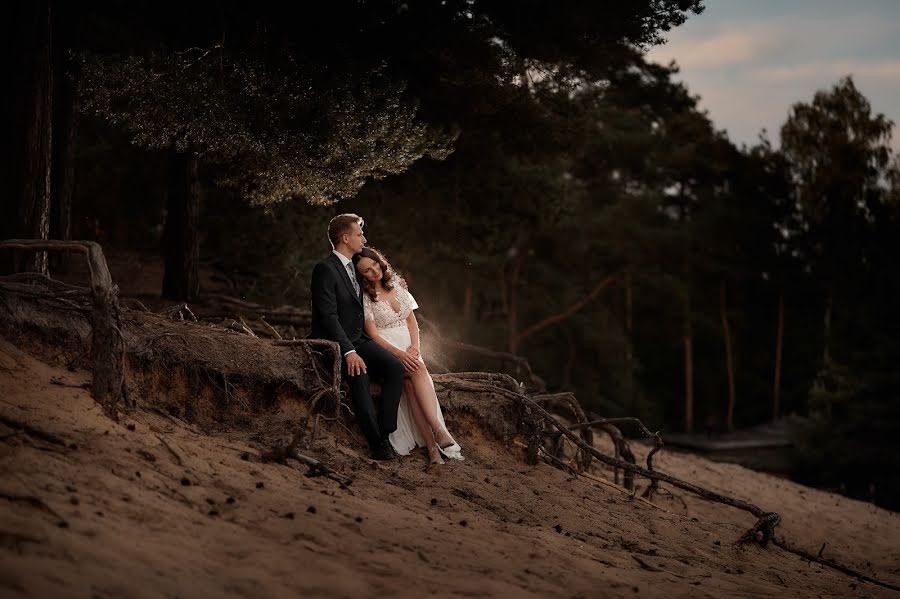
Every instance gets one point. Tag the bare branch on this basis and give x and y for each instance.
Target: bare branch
(570, 311)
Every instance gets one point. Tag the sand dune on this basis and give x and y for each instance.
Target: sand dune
(153, 507)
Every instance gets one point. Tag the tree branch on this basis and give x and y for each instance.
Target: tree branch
(570, 311)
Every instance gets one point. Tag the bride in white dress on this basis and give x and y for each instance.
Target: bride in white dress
(391, 323)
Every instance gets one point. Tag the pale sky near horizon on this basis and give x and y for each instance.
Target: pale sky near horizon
(750, 60)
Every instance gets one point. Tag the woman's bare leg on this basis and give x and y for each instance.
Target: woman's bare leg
(419, 418)
(427, 401)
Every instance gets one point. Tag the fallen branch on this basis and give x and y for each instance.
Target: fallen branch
(275, 334)
(62, 383)
(239, 327)
(281, 453)
(246, 326)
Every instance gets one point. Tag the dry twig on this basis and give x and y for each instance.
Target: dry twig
(281, 453)
(275, 334)
(832, 564)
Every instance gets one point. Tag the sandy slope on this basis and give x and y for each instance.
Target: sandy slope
(165, 511)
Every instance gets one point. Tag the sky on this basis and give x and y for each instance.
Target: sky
(750, 60)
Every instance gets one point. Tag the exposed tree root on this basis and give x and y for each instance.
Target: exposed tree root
(568, 404)
(107, 345)
(832, 564)
(761, 532)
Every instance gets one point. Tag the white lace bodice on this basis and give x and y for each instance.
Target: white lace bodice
(382, 312)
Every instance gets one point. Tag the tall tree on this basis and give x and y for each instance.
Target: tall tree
(65, 122)
(29, 120)
(839, 154)
(311, 101)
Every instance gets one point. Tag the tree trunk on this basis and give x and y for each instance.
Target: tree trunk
(688, 336)
(688, 384)
(181, 281)
(512, 314)
(30, 127)
(826, 350)
(729, 357)
(629, 343)
(467, 304)
(779, 341)
(572, 359)
(107, 343)
(65, 130)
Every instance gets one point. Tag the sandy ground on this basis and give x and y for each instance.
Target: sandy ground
(153, 507)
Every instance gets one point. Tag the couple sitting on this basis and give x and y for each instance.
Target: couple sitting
(358, 302)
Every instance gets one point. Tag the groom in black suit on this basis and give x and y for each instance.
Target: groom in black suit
(337, 314)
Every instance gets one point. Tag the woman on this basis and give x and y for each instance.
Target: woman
(391, 323)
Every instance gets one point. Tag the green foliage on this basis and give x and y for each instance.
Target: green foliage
(854, 402)
(576, 161)
(274, 134)
(839, 154)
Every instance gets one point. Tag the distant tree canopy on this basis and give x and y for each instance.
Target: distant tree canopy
(583, 212)
(847, 209)
(840, 154)
(310, 100)
(272, 135)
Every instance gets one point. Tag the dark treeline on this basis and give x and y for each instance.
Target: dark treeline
(546, 191)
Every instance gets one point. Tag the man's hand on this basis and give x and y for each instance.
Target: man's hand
(403, 283)
(409, 361)
(355, 364)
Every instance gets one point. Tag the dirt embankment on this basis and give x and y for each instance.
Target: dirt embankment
(155, 507)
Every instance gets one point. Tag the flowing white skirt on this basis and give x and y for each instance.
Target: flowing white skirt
(407, 437)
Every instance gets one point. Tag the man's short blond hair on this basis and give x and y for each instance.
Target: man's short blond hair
(343, 223)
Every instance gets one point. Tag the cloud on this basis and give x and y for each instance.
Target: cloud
(887, 70)
(722, 49)
(750, 63)
(778, 40)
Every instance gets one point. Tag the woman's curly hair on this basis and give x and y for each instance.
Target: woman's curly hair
(387, 273)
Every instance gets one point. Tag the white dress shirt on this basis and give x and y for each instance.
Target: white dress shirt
(344, 261)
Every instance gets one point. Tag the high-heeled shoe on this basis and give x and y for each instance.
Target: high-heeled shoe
(448, 440)
(434, 455)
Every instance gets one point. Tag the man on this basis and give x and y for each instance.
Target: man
(337, 314)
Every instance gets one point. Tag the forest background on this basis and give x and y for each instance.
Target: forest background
(546, 191)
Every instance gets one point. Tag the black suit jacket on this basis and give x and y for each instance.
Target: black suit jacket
(337, 311)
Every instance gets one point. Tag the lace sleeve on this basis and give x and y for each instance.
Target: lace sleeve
(367, 307)
(412, 301)
(409, 297)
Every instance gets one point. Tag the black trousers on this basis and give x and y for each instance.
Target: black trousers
(381, 366)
